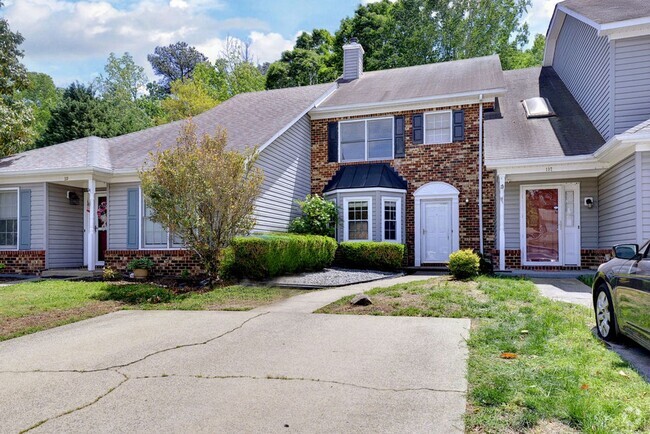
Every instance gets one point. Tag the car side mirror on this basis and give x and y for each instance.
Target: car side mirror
(626, 251)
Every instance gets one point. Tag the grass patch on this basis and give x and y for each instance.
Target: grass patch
(587, 279)
(562, 377)
(33, 306)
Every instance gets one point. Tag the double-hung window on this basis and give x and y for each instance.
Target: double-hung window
(368, 139)
(155, 235)
(391, 219)
(357, 219)
(9, 219)
(438, 127)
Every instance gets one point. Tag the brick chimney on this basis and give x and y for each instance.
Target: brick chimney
(352, 60)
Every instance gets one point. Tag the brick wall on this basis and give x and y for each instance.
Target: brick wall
(453, 163)
(22, 261)
(168, 262)
(590, 258)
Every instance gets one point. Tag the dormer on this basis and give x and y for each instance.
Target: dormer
(601, 51)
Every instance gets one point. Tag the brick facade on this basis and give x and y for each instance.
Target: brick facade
(22, 261)
(169, 263)
(453, 163)
(589, 258)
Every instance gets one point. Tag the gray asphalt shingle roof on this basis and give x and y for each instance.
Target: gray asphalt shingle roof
(436, 79)
(513, 136)
(609, 11)
(251, 119)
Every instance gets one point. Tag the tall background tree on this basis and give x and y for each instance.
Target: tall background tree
(16, 117)
(175, 62)
(42, 96)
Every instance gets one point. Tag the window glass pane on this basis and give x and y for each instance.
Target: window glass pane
(155, 235)
(353, 141)
(390, 220)
(358, 220)
(380, 139)
(438, 128)
(8, 219)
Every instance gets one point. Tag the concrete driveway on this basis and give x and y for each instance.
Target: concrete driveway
(164, 371)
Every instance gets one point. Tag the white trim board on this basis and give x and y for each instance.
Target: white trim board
(398, 218)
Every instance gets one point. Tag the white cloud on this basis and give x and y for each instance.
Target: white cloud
(539, 15)
(79, 33)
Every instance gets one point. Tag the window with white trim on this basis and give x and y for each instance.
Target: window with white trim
(391, 227)
(438, 127)
(8, 219)
(357, 219)
(155, 235)
(368, 139)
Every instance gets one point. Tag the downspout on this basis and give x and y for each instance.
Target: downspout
(480, 172)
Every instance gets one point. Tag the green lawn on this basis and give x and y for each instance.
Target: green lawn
(33, 306)
(562, 375)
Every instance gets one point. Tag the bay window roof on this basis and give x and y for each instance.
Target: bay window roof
(380, 175)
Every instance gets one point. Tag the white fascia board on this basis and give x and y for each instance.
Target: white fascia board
(614, 30)
(365, 190)
(66, 175)
(473, 97)
(319, 101)
(578, 16)
(557, 21)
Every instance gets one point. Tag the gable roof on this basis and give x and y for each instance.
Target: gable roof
(609, 11)
(513, 136)
(250, 119)
(445, 79)
(379, 175)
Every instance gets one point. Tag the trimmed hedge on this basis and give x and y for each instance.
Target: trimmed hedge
(464, 264)
(264, 256)
(370, 255)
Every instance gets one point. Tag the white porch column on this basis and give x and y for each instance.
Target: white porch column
(90, 230)
(502, 226)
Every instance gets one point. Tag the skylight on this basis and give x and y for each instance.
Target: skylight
(538, 107)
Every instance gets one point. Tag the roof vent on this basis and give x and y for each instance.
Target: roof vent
(538, 107)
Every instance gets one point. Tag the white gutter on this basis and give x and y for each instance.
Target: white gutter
(480, 172)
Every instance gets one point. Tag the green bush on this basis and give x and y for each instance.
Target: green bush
(464, 264)
(370, 255)
(263, 256)
(136, 294)
(140, 264)
(318, 217)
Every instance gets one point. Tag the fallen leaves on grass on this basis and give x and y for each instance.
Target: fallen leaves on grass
(508, 356)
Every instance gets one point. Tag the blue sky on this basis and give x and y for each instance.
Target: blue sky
(71, 39)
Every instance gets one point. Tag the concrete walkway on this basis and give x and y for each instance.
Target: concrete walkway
(311, 301)
(273, 370)
(565, 289)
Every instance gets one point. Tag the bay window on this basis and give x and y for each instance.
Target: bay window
(391, 219)
(367, 139)
(357, 219)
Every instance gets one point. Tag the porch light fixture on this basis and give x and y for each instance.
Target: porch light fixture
(589, 202)
(538, 107)
(73, 198)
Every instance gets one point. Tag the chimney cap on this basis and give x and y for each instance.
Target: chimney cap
(354, 40)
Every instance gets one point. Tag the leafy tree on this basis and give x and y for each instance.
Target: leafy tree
(77, 115)
(187, 99)
(224, 186)
(42, 96)
(122, 78)
(175, 62)
(514, 58)
(16, 133)
(319, 217)
(310, 62)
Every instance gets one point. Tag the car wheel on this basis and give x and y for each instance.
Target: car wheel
(605, 318)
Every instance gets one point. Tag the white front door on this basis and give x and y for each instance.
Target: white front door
(436, 233)
(100, 225)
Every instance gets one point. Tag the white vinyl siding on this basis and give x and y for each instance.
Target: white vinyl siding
(8, 219)
(438, 127)
(366, 140)
(582, 60)
(65, 228)
(287, 177)
(631, 82)
(617, 204)
(588, 216)
(644, 176)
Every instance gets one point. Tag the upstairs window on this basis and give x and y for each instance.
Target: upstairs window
(437, 127)
(368, 139)
(8, 219)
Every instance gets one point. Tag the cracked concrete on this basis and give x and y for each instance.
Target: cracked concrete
(237, 371)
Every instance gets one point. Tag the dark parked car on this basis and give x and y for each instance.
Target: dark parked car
(622, 294)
